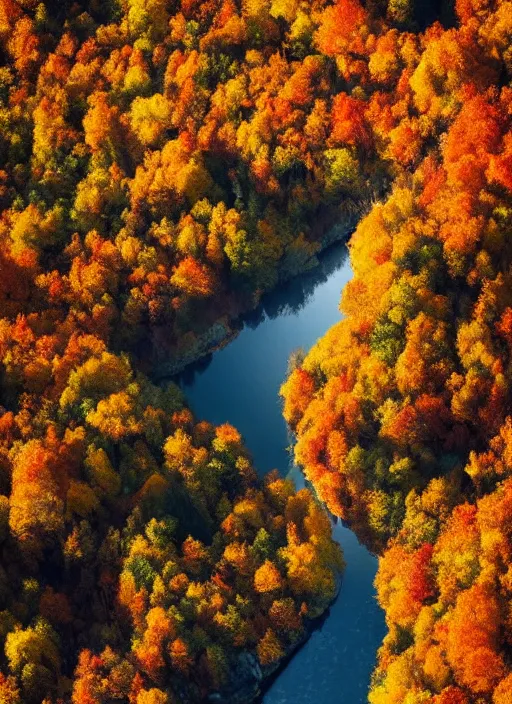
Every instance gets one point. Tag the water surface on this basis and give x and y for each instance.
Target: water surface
(239, 384)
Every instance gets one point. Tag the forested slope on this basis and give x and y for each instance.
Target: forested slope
(140, 553)
(403, 410)
(164, 163)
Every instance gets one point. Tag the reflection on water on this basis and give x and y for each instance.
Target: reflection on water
(298, 292)
(310, 289)
(240, 384)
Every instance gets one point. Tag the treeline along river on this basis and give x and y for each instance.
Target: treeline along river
(239, 384)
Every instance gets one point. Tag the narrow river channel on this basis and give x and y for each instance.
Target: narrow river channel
(240, 384)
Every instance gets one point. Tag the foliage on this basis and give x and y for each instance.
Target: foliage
(161, 166)
(402, 410)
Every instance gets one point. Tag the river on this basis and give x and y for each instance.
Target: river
(239, 384)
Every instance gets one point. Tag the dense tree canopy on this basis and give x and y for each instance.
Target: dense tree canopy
(162, 164)
(403, 409)
(137, 544)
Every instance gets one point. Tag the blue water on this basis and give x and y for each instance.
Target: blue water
(239, 384)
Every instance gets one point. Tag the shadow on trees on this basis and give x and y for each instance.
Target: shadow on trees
(287, 299)
(292, 296)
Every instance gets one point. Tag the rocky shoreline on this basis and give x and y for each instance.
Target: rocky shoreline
(225, 329)
(248, 680)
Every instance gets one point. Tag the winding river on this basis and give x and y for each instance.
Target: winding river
(239, 384)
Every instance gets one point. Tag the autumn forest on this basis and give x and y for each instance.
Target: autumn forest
(163, 165)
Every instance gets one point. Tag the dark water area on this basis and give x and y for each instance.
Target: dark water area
(240, 384)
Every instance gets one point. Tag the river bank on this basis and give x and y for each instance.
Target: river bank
(249, 681)
(239, 384)
(225, 329)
